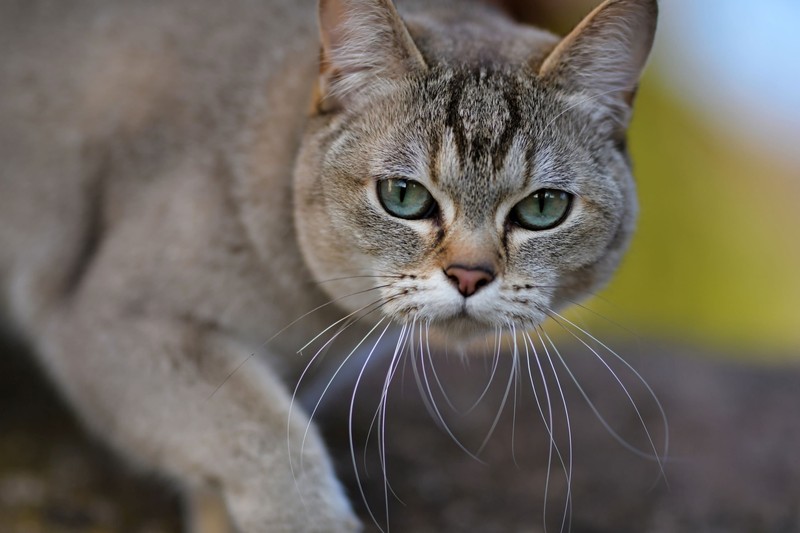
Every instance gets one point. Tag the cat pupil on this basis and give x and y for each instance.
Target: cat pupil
(405, 199)
(544, 209)
(403, 186)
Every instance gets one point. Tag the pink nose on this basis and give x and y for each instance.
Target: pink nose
(469, 280)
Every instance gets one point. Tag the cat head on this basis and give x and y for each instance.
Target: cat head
(464, 170)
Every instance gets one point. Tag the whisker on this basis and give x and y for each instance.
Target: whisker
(324, 348)
(370, 271)
(311, 416)
(495, 363)
(382, 448)
(362, 276)
(655, 456)
(548, 427)
(433, 369)
(515, 362)
(380, 412)
(400, 347)
(605, 318)
(430, 402)
(415, 370)
(319, 307)
(350, 426)
(283, 329)
(567, 517)
(333, 377)
(650, 391)
(346, 317)
(335, 374)
(499, 411)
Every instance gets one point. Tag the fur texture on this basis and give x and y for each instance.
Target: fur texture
(152, 236)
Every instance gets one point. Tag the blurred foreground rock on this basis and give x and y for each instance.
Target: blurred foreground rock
(732, 466)
(56, 479)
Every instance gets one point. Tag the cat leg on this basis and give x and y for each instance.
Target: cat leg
(156, 389)
(205, 511)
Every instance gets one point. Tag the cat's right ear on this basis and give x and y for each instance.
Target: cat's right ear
(365, 47)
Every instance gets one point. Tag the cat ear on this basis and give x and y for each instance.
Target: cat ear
(365, 45)
(604, 55)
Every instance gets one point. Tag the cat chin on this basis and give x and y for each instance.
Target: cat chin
(469, 334)
(461, 331)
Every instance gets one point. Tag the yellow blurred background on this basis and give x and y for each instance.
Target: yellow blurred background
(716, 257)
(716, 147)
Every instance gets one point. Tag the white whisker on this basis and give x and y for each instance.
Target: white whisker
(428, 398)
(330, 382)
(433, 369)
(548, 426)
(399, 350)
(654, 456)
(290, 324)
(380, 417)
(663, 458)
(350, 424)
(495, 363)
(500, 409)
(567, 518)
(363, 276)
(382, 301)
(515, 362)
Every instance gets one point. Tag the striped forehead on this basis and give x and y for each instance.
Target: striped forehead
(481, 155)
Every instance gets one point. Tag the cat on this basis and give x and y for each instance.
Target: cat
(182, 181)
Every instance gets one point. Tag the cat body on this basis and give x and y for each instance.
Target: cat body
(124, 238)
(179, 181)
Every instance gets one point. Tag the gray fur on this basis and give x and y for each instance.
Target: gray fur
(147, 244)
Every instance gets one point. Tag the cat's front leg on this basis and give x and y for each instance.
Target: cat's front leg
(150, 386)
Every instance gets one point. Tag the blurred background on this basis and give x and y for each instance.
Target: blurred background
(716, 148)
(715, 263)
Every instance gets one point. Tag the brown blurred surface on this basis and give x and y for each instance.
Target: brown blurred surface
(56, 479)
(734, 467)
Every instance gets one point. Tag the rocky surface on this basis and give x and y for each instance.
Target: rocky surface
(733, 465)
(54, 478)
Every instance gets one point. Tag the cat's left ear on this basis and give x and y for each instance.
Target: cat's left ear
(365, 47)
(603, 57)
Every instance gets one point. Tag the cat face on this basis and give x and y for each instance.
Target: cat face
(469, 196)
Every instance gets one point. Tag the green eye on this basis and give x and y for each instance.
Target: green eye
(405, 199)
(544, 209)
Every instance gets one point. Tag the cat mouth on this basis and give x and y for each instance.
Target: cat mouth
(472, 321)
(464, 324)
